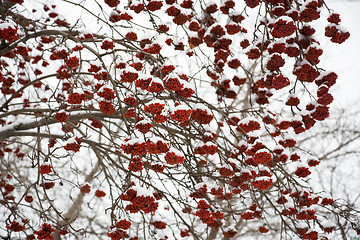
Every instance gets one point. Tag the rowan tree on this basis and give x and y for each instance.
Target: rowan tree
(164, 119)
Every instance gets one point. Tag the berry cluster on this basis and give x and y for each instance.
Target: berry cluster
(146, 204)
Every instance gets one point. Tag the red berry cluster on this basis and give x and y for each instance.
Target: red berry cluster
(75, 146)
(154, 107)
(76, 98)
(262, 157)
(61, 117)
(252, 213)
(180, 114)
(302, 172)
(207, 148)
(47, 185)
(306, 215)
(155, 87)
(173, 84)
(136, 164)
(127, 76)
(131, 36)
(262, 184)
(135, 148)
(45, 169)
(156, 146)
(263, 229)
(123, 224)
(146, 204)
(200, 193)
(249, 126)
(226, 172)
(159, 224)
(174, 158)
(275, 62)
(153, 49)
(107, 94)
(306, 73)
(130, 113)
(137, 7)
(59, 54)
(45, 232)
(107, 107)
(144, 126)
(283, 27)
(201, 116)
(107, 44)
(15, 226)
(85, 188)
(8, 33)
(99, 193)
(154, 5)
(143, 83)
(166, 69)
